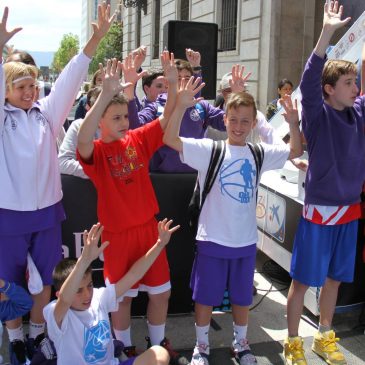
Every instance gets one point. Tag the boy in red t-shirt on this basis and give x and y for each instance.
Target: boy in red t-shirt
(118, 166)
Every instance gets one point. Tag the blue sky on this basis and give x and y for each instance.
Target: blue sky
(44, 22)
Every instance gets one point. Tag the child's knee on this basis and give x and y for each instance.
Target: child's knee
(161, 355)
(160, 298)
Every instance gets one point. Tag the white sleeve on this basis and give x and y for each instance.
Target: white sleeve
(2, 99)
(275, 156)
(57, 105)
(196, 152)
(107, 298)
(67, 159)
(54, 332)
(266, 131)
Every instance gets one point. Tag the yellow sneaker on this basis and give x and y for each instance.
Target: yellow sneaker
(324, 345)
(293, 351)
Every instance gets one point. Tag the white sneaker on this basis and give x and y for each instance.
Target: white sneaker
(242, 353)
(200, 355)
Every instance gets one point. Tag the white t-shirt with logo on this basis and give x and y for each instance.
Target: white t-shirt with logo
(228, 216)
(85, 336)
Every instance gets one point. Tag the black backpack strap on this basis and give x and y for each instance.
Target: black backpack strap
(216, 159)
(258, 155)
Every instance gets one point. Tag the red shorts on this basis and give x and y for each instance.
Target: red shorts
(127, 247)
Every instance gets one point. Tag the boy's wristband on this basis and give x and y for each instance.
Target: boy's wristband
(5, 288)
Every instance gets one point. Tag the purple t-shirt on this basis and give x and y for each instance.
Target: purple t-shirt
(194, 124)
(335, 142)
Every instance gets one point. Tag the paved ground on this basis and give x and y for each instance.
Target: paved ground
(267, 330)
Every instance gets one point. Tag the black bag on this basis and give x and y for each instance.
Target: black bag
(216, 159)
(195, 205)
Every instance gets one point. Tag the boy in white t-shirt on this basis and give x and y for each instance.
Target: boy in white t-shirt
(227, 231)
(78, 321)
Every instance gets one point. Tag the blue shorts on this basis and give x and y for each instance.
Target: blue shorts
(321, 251)
(211, 276)
(45, 247)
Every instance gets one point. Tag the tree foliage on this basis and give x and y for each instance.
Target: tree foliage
(69, 47)
(110, 47)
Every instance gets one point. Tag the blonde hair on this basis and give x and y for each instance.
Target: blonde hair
(235, 100)
(15, 70)
(333, 70)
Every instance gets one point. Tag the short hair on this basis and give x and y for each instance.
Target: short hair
(120, 99)
(235, 100)
(15, 70)
(283, 82)
(333, 70)
(63, 270)
(151, 75)
(183, 65)
(21, 56)
(92, 95)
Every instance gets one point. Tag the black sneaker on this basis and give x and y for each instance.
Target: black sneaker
(175, 357)
(17, 352)
(32, 345)
(130, 351)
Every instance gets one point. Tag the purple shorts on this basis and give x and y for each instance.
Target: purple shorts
(130, 361)
(234, 274)
(44, 246)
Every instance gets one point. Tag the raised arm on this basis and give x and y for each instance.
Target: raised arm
(111, 86)
(6, 35)
(292, 118)
(100, 29)
(238, 80)
(69, 288)
(185, 98)
(331, 22)
(171, 75)
(140, 267)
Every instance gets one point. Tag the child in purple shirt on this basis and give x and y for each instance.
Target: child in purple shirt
(325, 244)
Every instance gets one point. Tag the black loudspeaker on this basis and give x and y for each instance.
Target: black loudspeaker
(202, 37)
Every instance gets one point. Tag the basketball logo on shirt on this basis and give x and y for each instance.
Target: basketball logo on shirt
(237, 180)
(96, 340)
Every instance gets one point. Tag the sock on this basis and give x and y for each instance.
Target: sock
(16, 334)
(124, 336)
(239, 332)
(35, 329)
(157, 333)
(202, 335)
(322, 328)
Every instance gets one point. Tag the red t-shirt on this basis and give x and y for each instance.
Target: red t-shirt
(119, 171)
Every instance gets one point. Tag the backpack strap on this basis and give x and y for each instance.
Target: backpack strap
(216, 159)
(258, 155)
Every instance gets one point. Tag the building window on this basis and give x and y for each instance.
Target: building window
(184, 9)
(156, 30)
(228, 25)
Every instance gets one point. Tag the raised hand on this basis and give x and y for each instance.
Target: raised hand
(187, 90)
(169, 68)
(5, 35)
(291, 110)
(139, 56)
(129, 70)
(165, 232)
(101, 28)
(237, 83)
(111, 77)
(332, 16)
(92, 250)
(193, 57)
